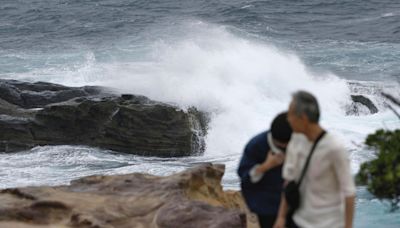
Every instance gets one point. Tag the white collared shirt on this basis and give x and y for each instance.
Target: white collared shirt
(327, 182)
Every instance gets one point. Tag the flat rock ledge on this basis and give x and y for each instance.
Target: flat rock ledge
(193, 198)
(36, 114)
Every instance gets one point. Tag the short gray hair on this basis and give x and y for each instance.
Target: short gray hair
(305, 103)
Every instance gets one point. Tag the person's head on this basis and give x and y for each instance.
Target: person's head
(303, 111)
(280, 131)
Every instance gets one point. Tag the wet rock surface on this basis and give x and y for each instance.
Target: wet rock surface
(33, 114)
(366, 98)
(360, 103)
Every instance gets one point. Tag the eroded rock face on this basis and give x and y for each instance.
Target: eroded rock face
(33, 114)
(193, 198)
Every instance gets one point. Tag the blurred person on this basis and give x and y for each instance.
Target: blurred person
(260, 170)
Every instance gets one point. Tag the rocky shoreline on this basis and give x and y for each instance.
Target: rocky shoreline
(34, 114)
(192, 198)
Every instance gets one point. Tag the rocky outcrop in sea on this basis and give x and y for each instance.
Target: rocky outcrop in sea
(34, 114)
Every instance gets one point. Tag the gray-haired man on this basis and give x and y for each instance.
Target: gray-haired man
(327, 187)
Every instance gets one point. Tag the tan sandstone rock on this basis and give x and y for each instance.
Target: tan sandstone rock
(192, 198)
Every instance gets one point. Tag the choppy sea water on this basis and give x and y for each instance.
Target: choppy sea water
(238, 60)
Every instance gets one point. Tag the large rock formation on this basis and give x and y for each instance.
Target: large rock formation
(33, 114)
(190, 199)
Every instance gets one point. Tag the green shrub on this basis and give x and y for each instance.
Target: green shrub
(382, 175)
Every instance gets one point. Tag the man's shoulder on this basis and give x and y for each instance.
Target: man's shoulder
(334, 141)
(259, 139)
(330, 142)
(298, 139)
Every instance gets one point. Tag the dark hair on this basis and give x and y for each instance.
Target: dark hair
(305, 103)
(280, 128)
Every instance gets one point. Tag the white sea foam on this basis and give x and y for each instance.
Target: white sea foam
(242, 83)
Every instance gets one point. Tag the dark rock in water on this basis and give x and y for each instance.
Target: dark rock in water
(91, 116)
(10, 94)
(39, 94)
(127, 96)
(367, 97)
(361, 102)
(365, 101)
(193, 198)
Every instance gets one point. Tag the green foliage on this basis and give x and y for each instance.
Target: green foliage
(382, 175)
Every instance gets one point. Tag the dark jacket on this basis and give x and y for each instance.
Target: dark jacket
(263, 197)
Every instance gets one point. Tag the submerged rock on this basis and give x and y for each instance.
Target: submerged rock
(367, 97)
(361, 105)
(33, 114)
(193, 198)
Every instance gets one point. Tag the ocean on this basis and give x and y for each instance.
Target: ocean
(238, 60)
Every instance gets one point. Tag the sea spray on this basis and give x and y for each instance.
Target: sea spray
(241, 83)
